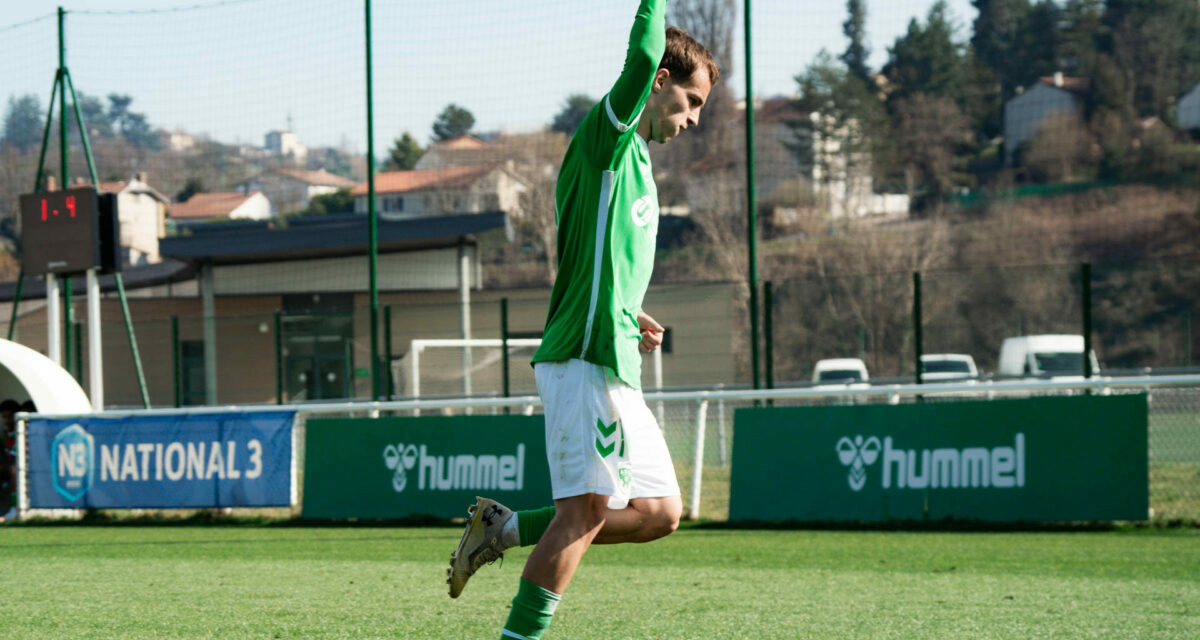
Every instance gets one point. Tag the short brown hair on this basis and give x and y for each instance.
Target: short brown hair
(684, 56)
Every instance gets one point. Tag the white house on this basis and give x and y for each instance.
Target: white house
(285, 143)
(826, 176)
(178, 141)
(1025, 113)
(459, 151)
(142, 212)
(233, 205)
(292, 189)
(1189, 110)
(425, 192)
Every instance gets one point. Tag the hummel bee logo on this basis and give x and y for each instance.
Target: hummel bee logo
(858, 454)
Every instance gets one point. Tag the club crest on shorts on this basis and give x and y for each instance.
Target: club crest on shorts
(625, 474)
(858, 455)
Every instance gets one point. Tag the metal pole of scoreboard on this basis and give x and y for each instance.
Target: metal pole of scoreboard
(63, 178)
(53, 320)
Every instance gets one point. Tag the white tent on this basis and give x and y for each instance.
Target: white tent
(26, 374)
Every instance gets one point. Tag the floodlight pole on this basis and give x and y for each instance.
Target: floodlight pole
(752, 206)
(372, 218)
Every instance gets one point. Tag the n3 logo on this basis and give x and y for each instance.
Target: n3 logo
(73, 458)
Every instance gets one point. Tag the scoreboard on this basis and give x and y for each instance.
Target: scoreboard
(68, 232)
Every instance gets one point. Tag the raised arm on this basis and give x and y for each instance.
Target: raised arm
(647, 42)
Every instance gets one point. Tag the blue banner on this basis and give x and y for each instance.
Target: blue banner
(162, 462)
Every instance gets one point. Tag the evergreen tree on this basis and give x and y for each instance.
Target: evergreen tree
(452, 122)
(23, 123)
(133, 126)
(1077, 40)
(857, 52)
(926, 59)
(573, 112)
(404, 153)
(996, 39)
(1039, 44)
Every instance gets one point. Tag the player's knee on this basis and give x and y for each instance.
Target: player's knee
(665, 519)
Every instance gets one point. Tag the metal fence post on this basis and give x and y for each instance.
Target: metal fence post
(504, 382)
(22, 469)
(278, 358)
(918, 347)
(176, 377)
(769, 334)
(387, 352)
(1085, 277)
(722, 456)
(698, 460)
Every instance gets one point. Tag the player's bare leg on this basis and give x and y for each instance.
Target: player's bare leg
(577, 521)
(645, 519)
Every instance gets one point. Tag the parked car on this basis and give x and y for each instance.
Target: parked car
(948, 366)
(1052, 356)
(840, 371)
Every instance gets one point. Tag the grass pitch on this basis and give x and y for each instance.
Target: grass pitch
(284, 582)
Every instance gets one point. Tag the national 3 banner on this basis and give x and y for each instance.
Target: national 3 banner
(230, 459)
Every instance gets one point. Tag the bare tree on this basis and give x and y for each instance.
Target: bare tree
(1061, 150)
(929, 132)
(712, 23)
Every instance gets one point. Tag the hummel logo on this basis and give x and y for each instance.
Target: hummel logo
(858, 455)
(606, 443)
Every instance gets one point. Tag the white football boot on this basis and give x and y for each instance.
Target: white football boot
(481, 542)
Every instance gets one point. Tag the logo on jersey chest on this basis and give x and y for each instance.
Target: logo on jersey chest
(645, 212)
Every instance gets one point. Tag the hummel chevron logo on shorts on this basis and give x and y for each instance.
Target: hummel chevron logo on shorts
(606, 443)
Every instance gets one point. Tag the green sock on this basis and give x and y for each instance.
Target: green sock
(531, 612)
(532, 524)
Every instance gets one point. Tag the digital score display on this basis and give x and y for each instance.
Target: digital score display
(62, 231)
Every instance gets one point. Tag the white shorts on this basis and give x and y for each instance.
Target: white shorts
(601, 437)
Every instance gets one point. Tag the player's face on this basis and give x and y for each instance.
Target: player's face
(677, 105)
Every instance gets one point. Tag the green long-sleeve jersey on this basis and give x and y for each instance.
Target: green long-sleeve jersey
(606, 207)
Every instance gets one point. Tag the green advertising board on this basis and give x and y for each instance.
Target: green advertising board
(434, 466)
(1053, 459)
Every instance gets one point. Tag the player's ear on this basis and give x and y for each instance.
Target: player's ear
(660, 80)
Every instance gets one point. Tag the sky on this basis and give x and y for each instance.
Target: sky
(234, 70)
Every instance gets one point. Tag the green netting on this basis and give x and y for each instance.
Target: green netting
(946, 145)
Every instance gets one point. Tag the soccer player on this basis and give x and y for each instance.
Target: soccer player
(610, 470)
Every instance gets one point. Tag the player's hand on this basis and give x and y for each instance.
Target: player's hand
(652, 333)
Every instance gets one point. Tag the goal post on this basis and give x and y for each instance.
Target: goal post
(417, 346)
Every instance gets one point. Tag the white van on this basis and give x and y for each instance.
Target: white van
(1044, 355)
(948, 366)
(840, 371)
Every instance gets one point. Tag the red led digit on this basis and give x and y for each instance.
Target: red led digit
(71, 205)
(43, 208)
